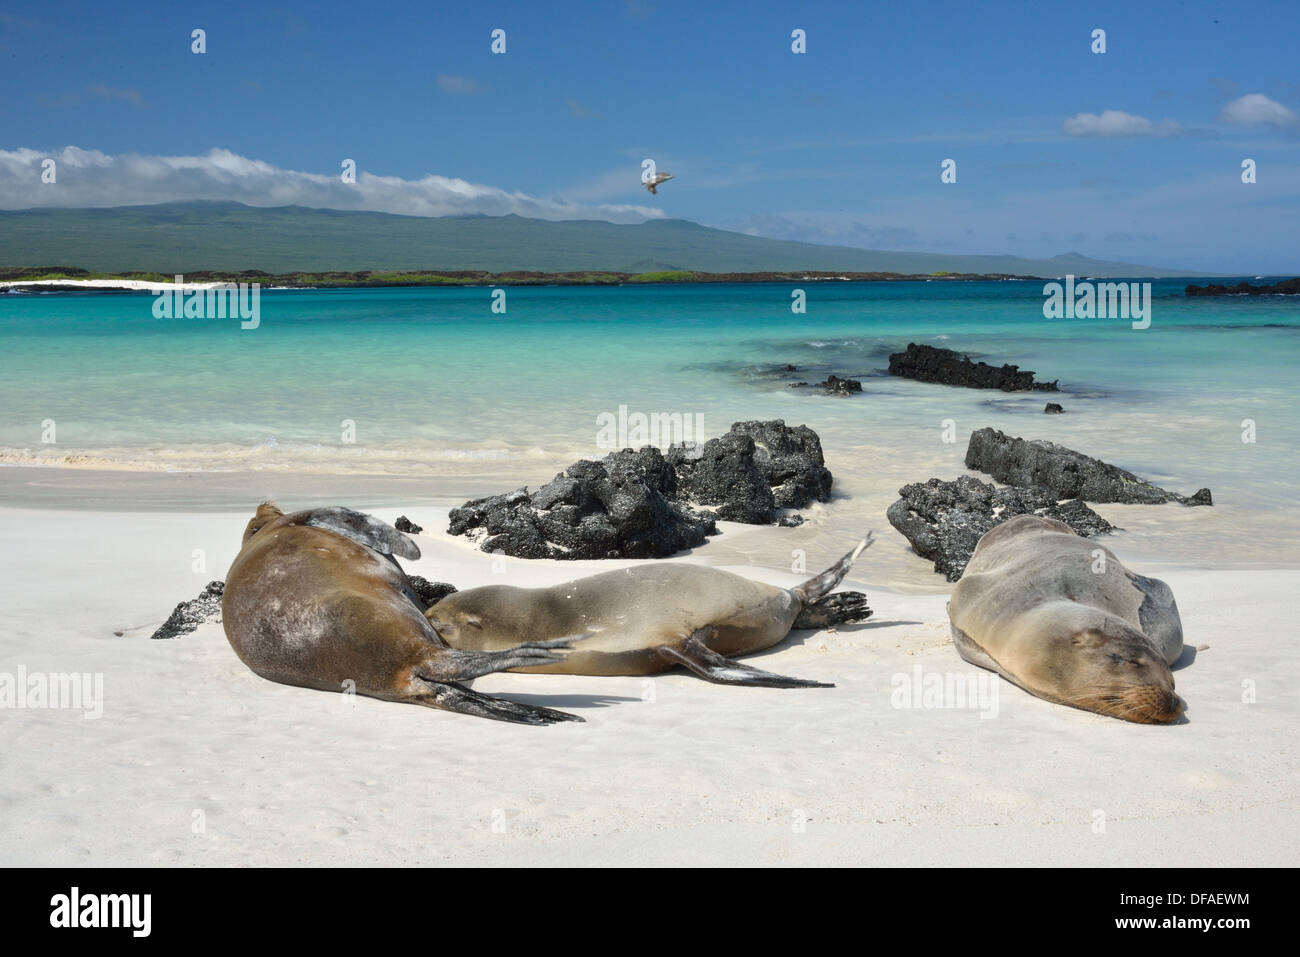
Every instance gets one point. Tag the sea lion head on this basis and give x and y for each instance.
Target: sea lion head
(472, 618)
(267, 512)
(1108, 667)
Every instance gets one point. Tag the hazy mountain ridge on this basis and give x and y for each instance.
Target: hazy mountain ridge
(184, 237)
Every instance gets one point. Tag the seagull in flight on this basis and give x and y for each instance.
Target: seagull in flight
(655, 180)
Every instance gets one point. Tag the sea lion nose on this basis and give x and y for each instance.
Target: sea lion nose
(1175, 709)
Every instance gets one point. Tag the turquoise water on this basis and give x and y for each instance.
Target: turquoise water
(436, 384)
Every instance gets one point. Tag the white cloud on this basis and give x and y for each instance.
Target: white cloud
(1255, 109)
(112, 93)
(95, 179)
(1117, 123)
(462, 85)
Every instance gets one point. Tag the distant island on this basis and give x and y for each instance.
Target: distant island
(225, 238)
(71, 278)
(1287, 287)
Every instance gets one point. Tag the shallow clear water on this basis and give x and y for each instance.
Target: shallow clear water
(438, 385)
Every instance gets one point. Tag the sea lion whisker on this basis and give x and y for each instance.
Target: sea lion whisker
(1099, 691)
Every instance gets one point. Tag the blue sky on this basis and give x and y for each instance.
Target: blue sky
(1134, 154)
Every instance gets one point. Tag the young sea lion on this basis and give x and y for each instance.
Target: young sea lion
(650, 618)
(315, 598)
(1039, 605)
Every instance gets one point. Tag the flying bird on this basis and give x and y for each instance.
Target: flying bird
(655, 180)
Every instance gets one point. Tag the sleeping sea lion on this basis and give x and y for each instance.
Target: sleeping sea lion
(315, 598)
(1061, 617)
(649, 618)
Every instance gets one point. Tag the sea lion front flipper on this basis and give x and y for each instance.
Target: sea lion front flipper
(970, 651)
(450, 696)
(711, 666)
(361, 528)
(453, 664)
(1158, 615)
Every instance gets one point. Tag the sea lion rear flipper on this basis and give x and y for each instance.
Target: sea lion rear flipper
(450, 696)
(442, 672)
(361, 528)
(836, 609)
(819, 585)
(711, 666)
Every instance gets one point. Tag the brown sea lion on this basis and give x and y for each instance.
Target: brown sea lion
(1061, 617)
(315, 598)
(650, 618)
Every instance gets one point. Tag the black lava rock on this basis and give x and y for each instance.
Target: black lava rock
(1053, 408)
(790, 460)
(430, 592)
(723, 475)
(620, 507)
(834, 385)
(931, 364)
(1287, 287)
(755, 468)
(644, 504)
(1069, 474)
(404, 524)
(188, 615)
(944, 521)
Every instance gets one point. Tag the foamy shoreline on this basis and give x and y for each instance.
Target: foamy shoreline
(670, 772)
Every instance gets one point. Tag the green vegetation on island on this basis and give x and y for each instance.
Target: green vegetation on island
(186, 237)
(339, 280)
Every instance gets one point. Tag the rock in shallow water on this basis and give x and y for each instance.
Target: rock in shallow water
(1069, 474)
(1287, 287)
(723, 474)
(790, 460)
(834, 385)
(932, 364)
(943, 521)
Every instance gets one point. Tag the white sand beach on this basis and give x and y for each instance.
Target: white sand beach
(131, 285)
(196, 760)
